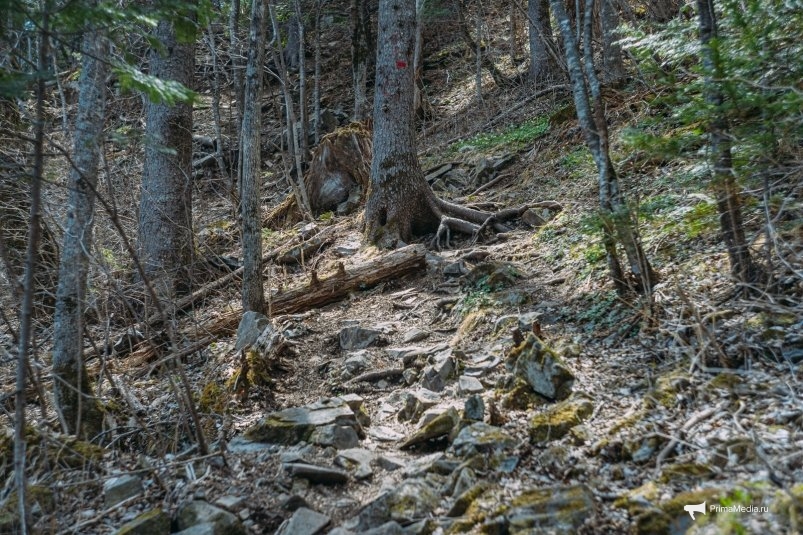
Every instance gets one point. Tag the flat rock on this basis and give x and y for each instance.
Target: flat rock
(356, 337)
(340, 437)
(358, 459)
(556, 421)
(480, 437)
(384, 433)
(120, 488)
(317, 474)
(442, 425)
(304, 522)
(416, 402)
(560, 510)
(415, 335)
(154, 522)
(411, 500)
(200, 512)
(469, 385)
(297, 424)
(542, 368)
(474, 408)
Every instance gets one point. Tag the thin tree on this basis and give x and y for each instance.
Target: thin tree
(743, 268)
(617, 220)
(362, 46)
(613, 68)
(79, 411)
(165, 212)
(250, 170)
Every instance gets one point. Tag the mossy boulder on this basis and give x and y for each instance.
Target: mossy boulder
(408, 502)
(675, 473)
(541, 368)
(442, 425)
(556, 421)
(669, 517)
(153, 522)
(667, 391)
(201, 512)
(297, 424)
(521, 397)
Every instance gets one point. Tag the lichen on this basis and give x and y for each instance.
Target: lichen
(556, 421)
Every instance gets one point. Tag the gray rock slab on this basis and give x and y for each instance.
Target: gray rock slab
(415, 402)
(204, 528)
(356, 337)
(120, 488)
(544, 371)
(304, 522)
(441, 425)
(338, 436)
(317, 474)
(297, 424)
(415, 335)
(411, 500)
(474, 408)
(469, 385)
(153, 522)
(200, 512)
(251, 326)
(480, 437)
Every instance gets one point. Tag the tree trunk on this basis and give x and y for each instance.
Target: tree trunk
(400, 202)
(250, 171)
(303, 116)
(614, 211)
(236, 78)
(361, 49)
(542, 66)
(79, 411)
(743, 269)
(165, 210)
(316, 87)
(613, 69)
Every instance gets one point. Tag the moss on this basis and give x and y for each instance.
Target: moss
(670, 517)
(639, 499)
(555, 422)
(788, 505)
(626, 423)
(522, 397)
(154, 522)
(212, 399)
(666, 390)
(258, 369)
(725, 381)
(684, 471)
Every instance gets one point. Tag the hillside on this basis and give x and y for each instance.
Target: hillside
(496, 384)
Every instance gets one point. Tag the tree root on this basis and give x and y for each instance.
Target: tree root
(466, 220)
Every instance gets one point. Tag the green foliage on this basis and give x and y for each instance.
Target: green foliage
(169, 92)
(700, 220)
(514, 137)
(599, 308)
(579, 163)
(759, 51)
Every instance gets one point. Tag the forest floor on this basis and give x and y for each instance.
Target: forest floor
(690, 397)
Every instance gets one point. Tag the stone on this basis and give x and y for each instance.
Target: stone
(411, 500)
(297, 424)
(200, 512)
(356, 337)
(317, 474)
(416, 402)
(559, 510)
(434, 376)
(532, 219)
(556, 421)
(480, 437)
(359, 459)
(455, 269)
(356, 363)
(415, 335)
(357, 404)
(543, 369)
(390, 463)
(153, 522)
(474, 408)
(204, 528)
(469, 385)
(384, 433)
(440, 426)
(251, 326)
(491, 276)
(121, 488)
(432, 380)
(304, 522)
(340, 437)
(229, 502)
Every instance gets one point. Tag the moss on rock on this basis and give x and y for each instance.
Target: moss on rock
(556, 421)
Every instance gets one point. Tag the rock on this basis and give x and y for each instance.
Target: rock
(532, 219)
(408, 502)
(455, 269)
(474, 409)
(304, 522)
(317, 474)
(359, 459)
(440, 426)
(297, 424)
(230, 502)
(357, 405)
(200, 512)
(416, 402)
(521, 397)
(120, 488)
(251, 326)
(340, 437)
(469, 385)
(356, 337)
(482, 438)
(204, 528)
(491, 276)
(415, 335)
(356, 363)
(154, 522)
(384, 433)
(551, 510)
(543, 370)
(434, 376)
(389, 463)
(554, 422)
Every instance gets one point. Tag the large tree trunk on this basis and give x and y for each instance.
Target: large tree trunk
(400, 203)
(71, 389)
(743, 269)
(613, 68)
(543, 68)
(165, 211)
(361, 51)
(250, 176)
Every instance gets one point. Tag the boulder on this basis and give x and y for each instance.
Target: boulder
(304, 522)
(297, 424)
(442, 425)
(120, 488)
(542, 368)
(153, 522)
(482, 438)
(356, 337)
(201, 512)
(412, 500)
(556, 421)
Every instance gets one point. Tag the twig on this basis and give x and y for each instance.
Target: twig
(694, 420)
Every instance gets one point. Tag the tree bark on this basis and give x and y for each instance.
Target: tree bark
(543, 68)
(743, 268)
(165, 210)
(361, 50)
(250, 171)
(400, 202)
(71, 389)
(613, 68)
